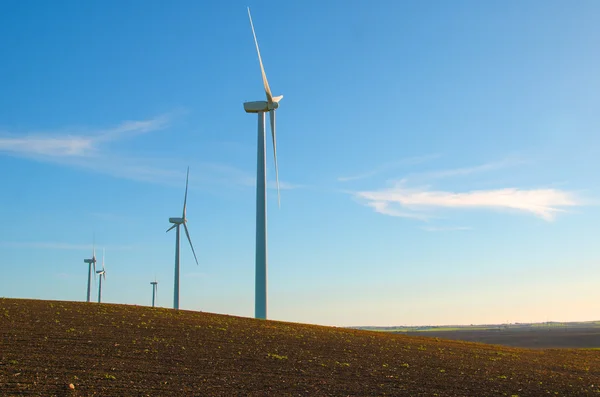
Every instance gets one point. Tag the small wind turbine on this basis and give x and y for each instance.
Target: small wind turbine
(101, 274)
(260, 107)
(154, 290)
(176, 223)
(91, 262)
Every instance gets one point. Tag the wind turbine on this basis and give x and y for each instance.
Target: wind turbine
(101, 274)
(91, 262)
(154, 290)
(260, 108)
(176, 223)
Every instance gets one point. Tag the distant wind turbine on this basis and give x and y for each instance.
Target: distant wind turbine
(154, 290)
(101, 274)
(176, 223)
(260, 107)
(92, 263)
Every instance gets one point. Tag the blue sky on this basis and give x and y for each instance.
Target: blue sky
(438, 159)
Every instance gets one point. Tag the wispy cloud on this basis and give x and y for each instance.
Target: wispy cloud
(74, 144)
(62, 246)
(384, 207)
(463, 171)
(93, 150)
(389, 166)
(32, 146)
(445, 228)
(403, 201)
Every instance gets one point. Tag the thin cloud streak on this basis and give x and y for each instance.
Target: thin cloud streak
(63, 246)
(492, 166)
(389, 166)
(384, 208)
(75, 144)
(88, 150)
(33, 146)
(445, 228)
(400, 200)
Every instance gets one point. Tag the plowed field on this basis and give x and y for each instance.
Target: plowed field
(121, 350)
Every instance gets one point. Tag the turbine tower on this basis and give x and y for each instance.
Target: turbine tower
(91, 262)
(260, 108)
(154, 290)
(177, 222)
(101, 274)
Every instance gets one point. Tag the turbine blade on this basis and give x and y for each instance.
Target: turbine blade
(190, 240)
(186, 190)
(262, 68)
(172, 227)
(272, 113)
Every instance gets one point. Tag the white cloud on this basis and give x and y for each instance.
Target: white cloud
(408, 202)
(383, 207)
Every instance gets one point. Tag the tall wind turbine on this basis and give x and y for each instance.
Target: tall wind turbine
(92, 263)
(260, 108)
(154, 290)
(177, 222)
(101, 274)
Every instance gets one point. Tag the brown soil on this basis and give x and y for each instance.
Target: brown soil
(120, 350)
(533, 337)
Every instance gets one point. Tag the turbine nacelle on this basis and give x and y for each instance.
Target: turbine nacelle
(256, 106)
(262, 106)
(177, 221)
(89, 261)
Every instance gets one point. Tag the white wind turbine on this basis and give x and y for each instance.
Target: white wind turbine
(177, 222)
(92, 263)
(154, 290)
(101, 274)
(260, 107)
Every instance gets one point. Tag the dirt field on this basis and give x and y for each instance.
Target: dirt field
(119, 350)
(531, 337)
